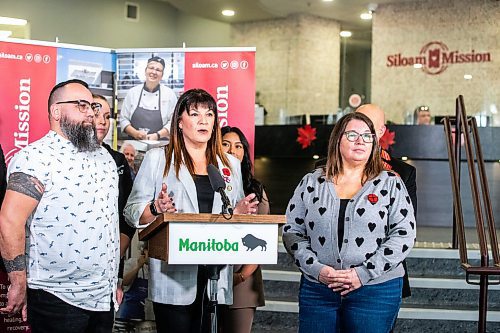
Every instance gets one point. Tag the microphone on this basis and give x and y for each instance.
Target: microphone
(218, 185)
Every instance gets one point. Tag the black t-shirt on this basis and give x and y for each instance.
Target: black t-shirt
(204, 192)
(340, 226)
(124, 188)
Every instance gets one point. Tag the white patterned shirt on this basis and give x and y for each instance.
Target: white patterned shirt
(72, 239)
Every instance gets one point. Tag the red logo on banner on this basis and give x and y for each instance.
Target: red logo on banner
(29, 73)
(435, 57)
(230, 78)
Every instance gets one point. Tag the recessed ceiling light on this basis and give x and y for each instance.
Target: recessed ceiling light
(404, 158)
(5, 33)
(228, 12)
(315, 157)
(468, 77)
(12, 21)
(417, 66)
(327, 0)
(345, 33)
(366, 16)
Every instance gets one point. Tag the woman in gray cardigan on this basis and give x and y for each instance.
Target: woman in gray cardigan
(349, 227)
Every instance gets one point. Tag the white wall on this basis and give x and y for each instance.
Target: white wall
(103, 23)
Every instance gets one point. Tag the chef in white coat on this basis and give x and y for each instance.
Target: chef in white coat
(147, 108)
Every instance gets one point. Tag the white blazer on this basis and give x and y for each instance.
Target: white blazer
(176, 284)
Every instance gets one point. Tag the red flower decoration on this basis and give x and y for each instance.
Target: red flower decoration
(307, 135)
(226, 172)
(372, 198)
(387, 139)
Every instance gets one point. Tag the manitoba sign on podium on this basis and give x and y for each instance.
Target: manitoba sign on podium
(210, 239)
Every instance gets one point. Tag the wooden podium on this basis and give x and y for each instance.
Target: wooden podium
(182, 238)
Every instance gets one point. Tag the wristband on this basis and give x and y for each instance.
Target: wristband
(152, 208)
(159, 136)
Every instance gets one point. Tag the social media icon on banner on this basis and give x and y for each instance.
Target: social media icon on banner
(235, 64)
(244, 64)
(38, 58)
(46, 58)
(224, 64)
(29, 57)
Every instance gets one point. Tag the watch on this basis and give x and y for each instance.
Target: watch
(152, 208)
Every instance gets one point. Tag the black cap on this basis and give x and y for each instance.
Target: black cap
(157, 59)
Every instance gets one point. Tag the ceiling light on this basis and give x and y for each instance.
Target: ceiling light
(417, 66)
(366, 16)
(327, 0)
(228, 12)
(404, 158)
(12, 21)
(315, 157)
(468, 77)
(345, 33)
(5, 33)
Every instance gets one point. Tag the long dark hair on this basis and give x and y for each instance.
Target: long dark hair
(334, 163)
(250, 184)
(177, 147)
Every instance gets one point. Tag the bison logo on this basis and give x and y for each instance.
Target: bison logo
(251, 242)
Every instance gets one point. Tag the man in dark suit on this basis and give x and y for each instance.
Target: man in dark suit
(406, 171)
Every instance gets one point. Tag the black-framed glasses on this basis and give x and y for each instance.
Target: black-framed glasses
(353, 136)
(84, 106)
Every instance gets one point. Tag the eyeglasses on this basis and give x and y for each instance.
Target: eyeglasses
(84, 106)
(353, 136)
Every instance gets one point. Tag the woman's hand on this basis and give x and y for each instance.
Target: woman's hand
(153, 137)
(237, 279)
(164, 203)
(246, 205)
(140, 135)
(143, 259)
(334, 279)
(355, 282)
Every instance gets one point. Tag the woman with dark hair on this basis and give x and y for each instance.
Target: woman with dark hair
(175, 179)
(349, 226)
(248, 292)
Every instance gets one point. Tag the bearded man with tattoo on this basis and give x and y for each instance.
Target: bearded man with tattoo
(59, 222)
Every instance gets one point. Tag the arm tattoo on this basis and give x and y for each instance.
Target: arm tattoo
(25, 184)
(16, 264)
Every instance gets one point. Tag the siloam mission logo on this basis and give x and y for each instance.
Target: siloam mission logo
(213, 245)
(435, 57)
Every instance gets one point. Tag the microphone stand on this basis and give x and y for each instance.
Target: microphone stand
(213, 278)
(214, 275)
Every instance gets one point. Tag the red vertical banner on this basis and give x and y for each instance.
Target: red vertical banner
(229, 76)
(28, 75)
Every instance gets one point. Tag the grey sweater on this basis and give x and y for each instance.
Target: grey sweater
(379, 229)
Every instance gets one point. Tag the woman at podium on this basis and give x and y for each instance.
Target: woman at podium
(248, 287)
(175, 179)
(349, 226)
